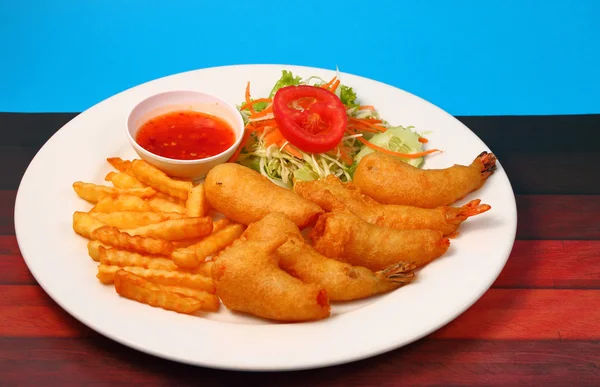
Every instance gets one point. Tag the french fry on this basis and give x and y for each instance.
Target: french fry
(171, 199)
(120, 165)
(133, 219)
(175, 229)
(85, 225)
(184, 258)
(139, 289)
(196, 204)
(123, 258)
(160, 204)
(187, 242)
(220, 224)
(210, 302)
(217, 241)
(116, 203)
(111, 236)
(106, 274)
(158, 180)
(94, 249)
(94, 192)
(123, 180)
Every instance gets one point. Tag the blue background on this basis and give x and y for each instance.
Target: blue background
(469, 57)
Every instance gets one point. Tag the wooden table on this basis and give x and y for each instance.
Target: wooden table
(539, 324)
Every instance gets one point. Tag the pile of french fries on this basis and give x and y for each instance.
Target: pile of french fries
(153, 237)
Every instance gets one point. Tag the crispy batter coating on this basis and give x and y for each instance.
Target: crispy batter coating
(331, 194)
(342, 281)
(245, 196)
(344, 236)
(389, 180)
(248, 279)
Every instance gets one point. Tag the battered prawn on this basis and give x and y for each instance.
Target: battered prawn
(342, 281)
(331, 194)
(389, 180)
(248, 279)
(345, 237)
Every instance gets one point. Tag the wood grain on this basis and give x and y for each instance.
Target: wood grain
(552, 264)
(532, 264)
(536, 314)
(95, 361)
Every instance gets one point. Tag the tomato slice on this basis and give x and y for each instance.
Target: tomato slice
(311, 118)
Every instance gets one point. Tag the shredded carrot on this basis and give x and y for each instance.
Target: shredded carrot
(398, 154)
(345, 154)
(273, 137)
(367, 107)
(334, 86)
(291, 150)
(423, 140)
(248, 101)
(243, 143)
(259, 125)
(246, 104)
(266, 111)
(363, 128)
(328, 84)
(367, 122)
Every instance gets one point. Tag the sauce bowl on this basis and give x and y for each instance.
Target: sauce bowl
(179, 100)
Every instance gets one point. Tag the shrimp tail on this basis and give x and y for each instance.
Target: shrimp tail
(459, 215)
(401, 273)
(488, 161)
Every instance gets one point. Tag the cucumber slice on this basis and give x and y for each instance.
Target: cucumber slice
(396, 139)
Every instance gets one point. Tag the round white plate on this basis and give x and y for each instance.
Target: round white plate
(58, 258)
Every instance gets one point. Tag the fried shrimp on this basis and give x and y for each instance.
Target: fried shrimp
(248, 279)
(342, 281)
(389, 180)
(331, 194)
(245, 196)
(344, 236)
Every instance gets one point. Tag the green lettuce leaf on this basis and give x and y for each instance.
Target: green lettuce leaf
(287, 79)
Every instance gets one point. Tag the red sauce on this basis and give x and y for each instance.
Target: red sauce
(185, 135)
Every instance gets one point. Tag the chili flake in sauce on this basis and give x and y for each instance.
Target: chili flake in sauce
(185, 135)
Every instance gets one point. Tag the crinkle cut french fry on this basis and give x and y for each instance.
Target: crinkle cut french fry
(220, 224)
(176, 229)
(106, 274)
(120, 165)
(94, 249)
(85, 225)
(112, 236)
(196, 204)
(94, 192)
(188, 242)
(139, 289)
(133, 219)
(210, 302)
(160, 204)
(123, 180)
(123, 258)
(171, 199)
(158, 180)
(117, 202)
(185, 258)
(217, 241)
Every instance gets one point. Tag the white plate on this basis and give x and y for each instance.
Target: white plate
(58, 259)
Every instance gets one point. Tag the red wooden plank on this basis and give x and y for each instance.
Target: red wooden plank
(552, 264)
(558, 217)
(13, 270)
(507, 314)
(27, 311)
(500, 314)
(532, 264)
(98, 361)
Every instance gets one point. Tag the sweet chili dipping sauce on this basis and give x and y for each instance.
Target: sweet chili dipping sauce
(185, 135)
